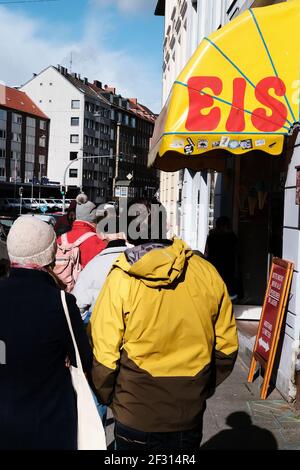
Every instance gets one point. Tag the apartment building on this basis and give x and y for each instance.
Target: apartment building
(24, 138)
(80, 127)
(132, 126)
(97, 137)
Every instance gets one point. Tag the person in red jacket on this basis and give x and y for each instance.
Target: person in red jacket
(86, 220)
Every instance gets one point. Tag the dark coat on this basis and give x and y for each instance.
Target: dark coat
(37, 400)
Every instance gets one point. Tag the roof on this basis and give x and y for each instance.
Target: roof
(141, 110)
(19, 101)
(160, 8)
(83, 85)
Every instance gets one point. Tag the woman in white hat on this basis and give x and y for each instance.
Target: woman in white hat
(37, 400)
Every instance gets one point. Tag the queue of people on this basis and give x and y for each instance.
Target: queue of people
(160, 333)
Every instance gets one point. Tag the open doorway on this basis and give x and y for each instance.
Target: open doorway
(259, 206)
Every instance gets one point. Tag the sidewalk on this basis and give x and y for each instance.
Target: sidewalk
(254, 423)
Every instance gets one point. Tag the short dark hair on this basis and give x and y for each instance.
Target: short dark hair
(146, 220)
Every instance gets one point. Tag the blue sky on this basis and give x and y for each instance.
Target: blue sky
(118, 42)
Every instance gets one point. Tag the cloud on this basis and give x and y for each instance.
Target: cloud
(128, 6)
(28, 51)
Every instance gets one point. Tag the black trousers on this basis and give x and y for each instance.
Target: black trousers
(132, 439)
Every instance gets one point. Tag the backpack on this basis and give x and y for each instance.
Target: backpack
(67, 261)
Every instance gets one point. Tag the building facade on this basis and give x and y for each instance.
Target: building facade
(24, 138)
(80, 127)
(90, 121)
(132, 126)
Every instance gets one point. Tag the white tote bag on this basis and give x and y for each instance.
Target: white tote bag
(91, 434)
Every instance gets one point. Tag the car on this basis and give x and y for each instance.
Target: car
(50, 203)
(58, 203)
(6, 221)
(49, 219)
(30, 204)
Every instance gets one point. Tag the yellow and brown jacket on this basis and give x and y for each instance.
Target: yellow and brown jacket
(164, 336)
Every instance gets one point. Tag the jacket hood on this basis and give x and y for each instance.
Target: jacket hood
(159, 265)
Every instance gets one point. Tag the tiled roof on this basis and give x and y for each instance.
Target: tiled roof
(141, 110)
(18, 100)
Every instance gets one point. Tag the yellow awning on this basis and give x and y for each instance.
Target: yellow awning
(238, 93)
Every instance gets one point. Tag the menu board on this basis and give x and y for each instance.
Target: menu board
(271, 320)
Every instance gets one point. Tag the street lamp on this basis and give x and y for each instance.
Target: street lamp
(117, 158)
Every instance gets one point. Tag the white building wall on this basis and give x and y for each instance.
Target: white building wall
(54, 94)
(291, 252)
(176, 45)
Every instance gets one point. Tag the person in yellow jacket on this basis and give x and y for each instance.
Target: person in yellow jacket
(164, 336)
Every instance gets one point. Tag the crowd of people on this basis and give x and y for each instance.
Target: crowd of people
(152, 319)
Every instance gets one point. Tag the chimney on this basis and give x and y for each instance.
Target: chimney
(86, 81)
(34, 74)
(98, 84)
(74, 75)
(133, 101)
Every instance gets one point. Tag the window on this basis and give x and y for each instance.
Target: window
(29, 157)
(74, 139)
(42, 159)
(2, 153)
(43, 125)
(3, 134)
(30, 122)
(133, 122)
(17, 118)
(16, 155)
(42, 141)
(3, 114)
(73, 155)
(30, 140)
(73, 173)
(75, 104)
(15, 137)
(74, 121)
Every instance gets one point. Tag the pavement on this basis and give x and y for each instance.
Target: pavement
(236, 418)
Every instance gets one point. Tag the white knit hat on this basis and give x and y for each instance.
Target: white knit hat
(31, 241)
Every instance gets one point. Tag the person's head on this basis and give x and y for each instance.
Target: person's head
(31, 242)
(223, 223)
(146, 220)
(71, 211)
(85, 209)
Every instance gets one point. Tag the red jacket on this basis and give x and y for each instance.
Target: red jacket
(91, 247)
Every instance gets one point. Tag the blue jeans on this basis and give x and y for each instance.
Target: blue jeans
(132, 439)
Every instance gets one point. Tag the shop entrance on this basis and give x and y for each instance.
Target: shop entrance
(258, 206)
